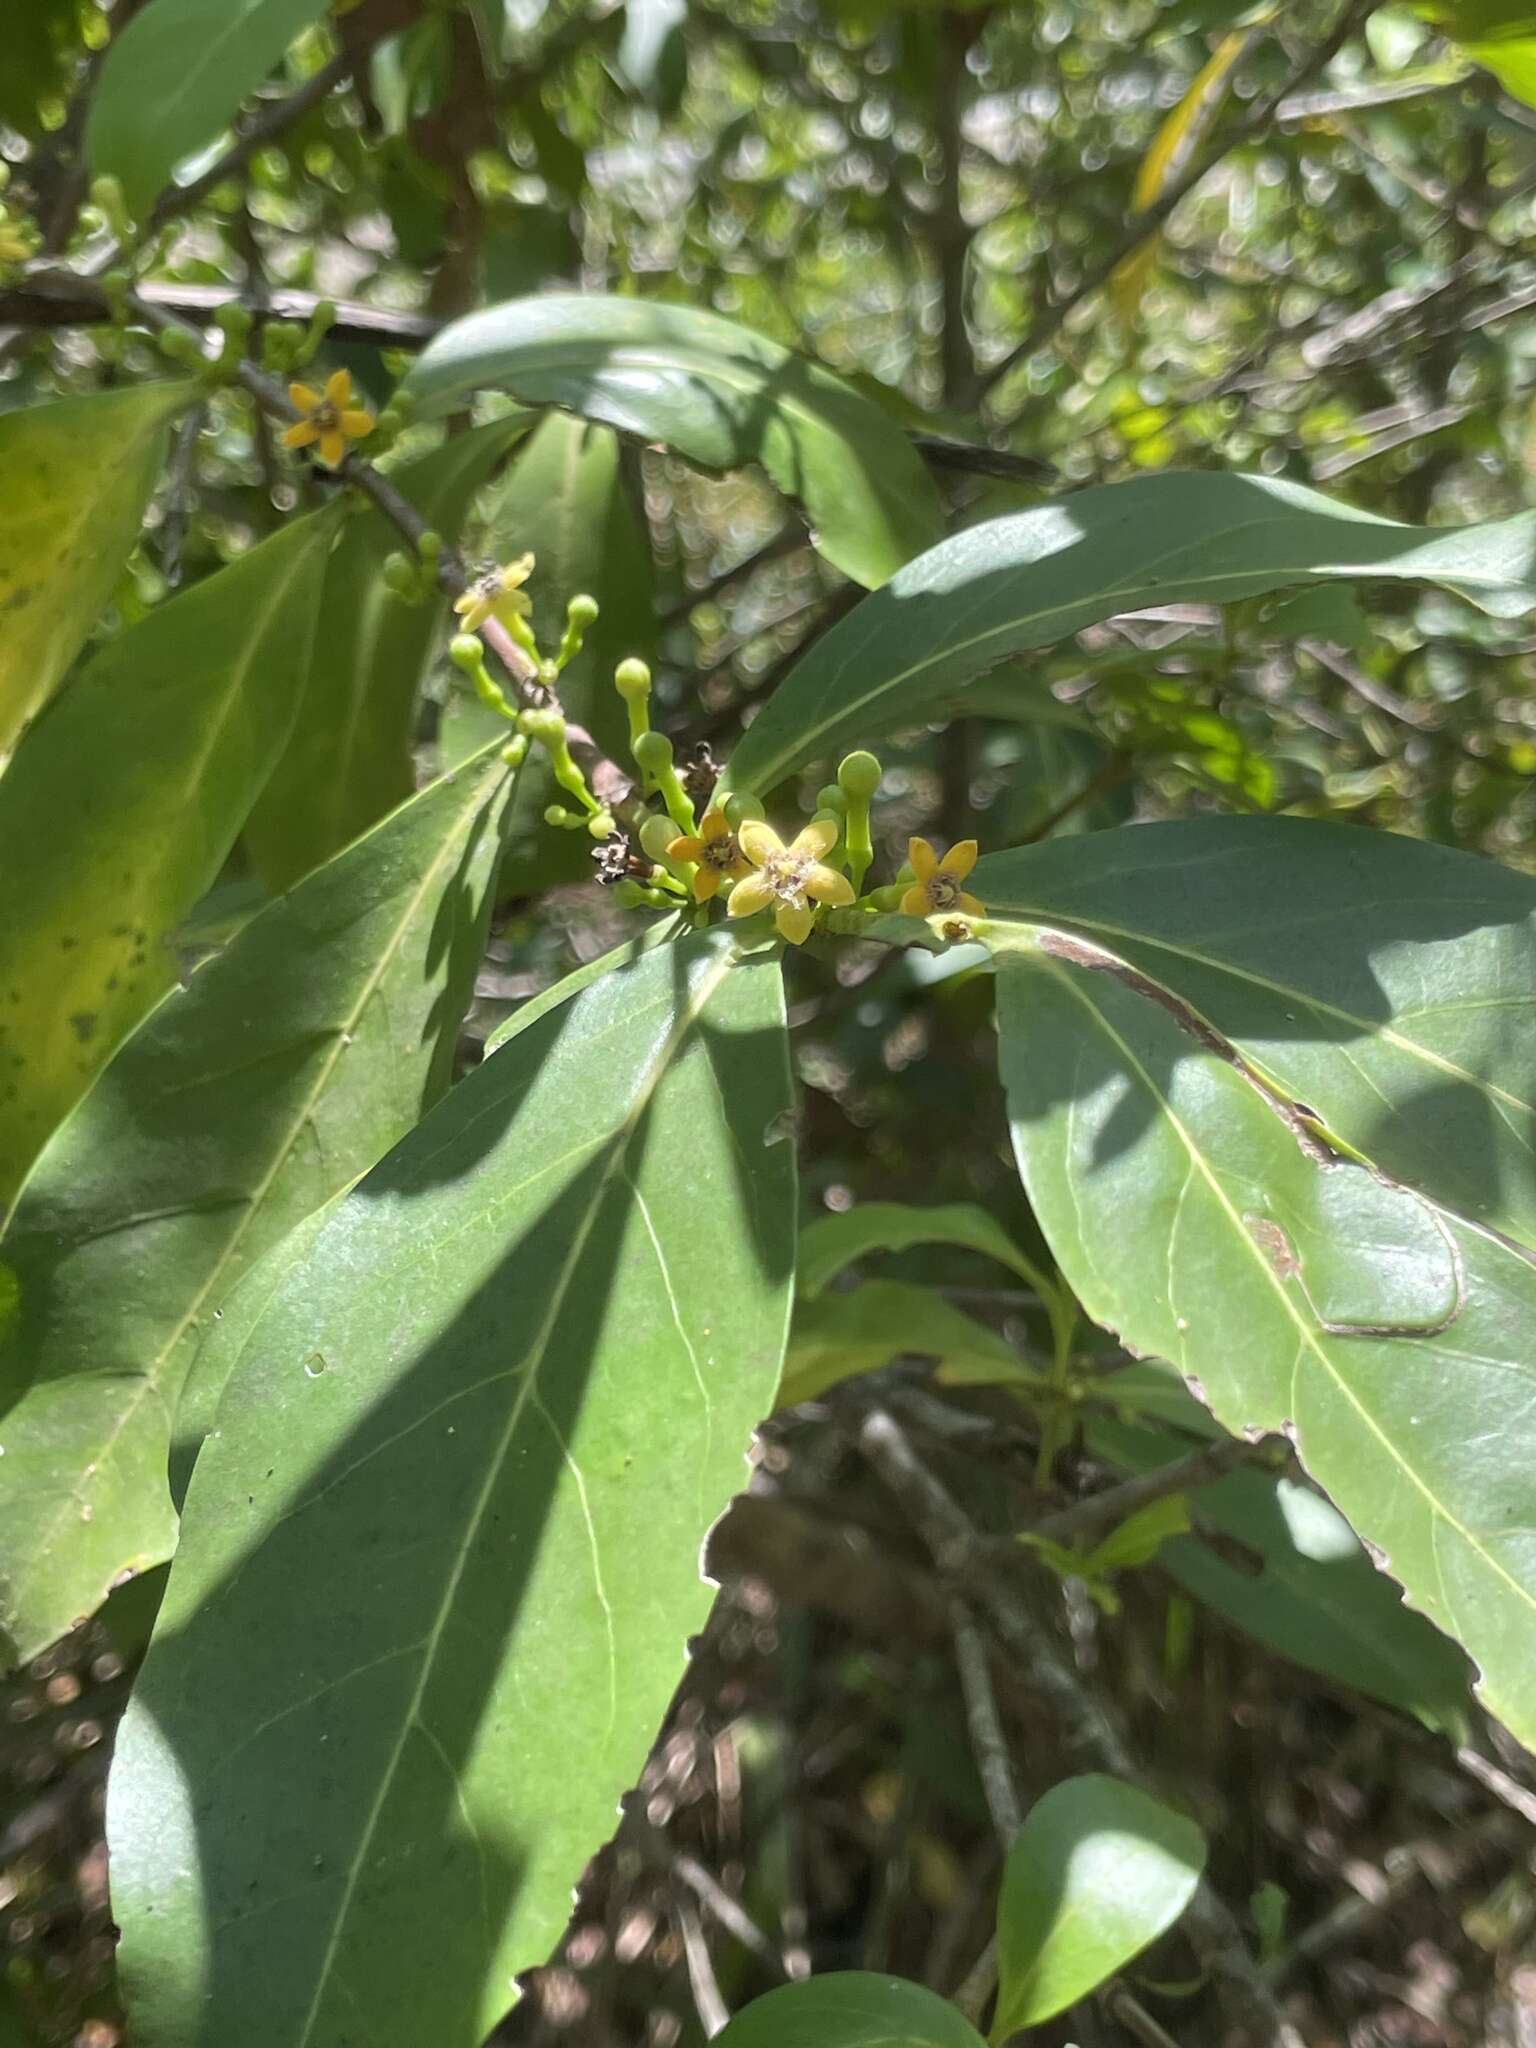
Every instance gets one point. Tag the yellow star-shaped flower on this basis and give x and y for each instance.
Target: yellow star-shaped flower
(792, 878)
(496, 594)
(716, 849)
(937, 887)
(330, 419)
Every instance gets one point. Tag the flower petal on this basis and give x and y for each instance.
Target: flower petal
(706, 883)
(338, 388)
(915, 903)
(473, 611)
(356, 423)
(300, 434)
(333, 447)
(685, 848)
(759, 842)
(751, 894)
(960, 859)
(828, 886)
(817, 838)
(971, 905)
(305, 397)
(923, 858)
(714, 826)
(794, 922)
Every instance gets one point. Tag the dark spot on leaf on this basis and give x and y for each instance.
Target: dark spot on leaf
(83, 1024)
(67, 944)
(1274, 1244)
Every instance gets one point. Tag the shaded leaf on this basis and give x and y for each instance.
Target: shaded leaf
(1186, 1207)
(1385, 983)
(830, 1243)
(1310, 1591)
(719, 394)
(838, 1335)
(1036, 576)
(440, 1553)
(290, 1063)
(348, 759)
(175, 76)
(1097, 1872)
(850, 2009)
(78, 475)
(154, 755)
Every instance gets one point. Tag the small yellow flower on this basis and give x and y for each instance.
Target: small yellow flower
(496, 594)
(937, 887)
(330, 418)
(792, 878)
(717, 852)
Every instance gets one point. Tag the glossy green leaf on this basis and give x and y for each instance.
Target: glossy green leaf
(838, 1335)
(348, 760)
(175, 76)
(1097, 1872)
(565, 500)
(719, 394)
(289, 1063)
(1385, 983)
(152, 758)
(440, 1555)
(850, 2009)
(830, 1243)
(78, 474)
(1201, 1219)
(1498, 34)
(1034, 577)
(1294, 1576)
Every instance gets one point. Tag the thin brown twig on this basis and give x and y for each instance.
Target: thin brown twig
(1088, 1723)
(988, 1742)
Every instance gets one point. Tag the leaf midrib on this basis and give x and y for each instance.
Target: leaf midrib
(619, 1141)
(1307, 1337)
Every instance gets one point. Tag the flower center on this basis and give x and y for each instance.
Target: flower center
(325, 417)
(785, 875)
(943, 889)
(723, 852)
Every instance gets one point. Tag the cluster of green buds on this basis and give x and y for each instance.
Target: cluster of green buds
(19, 238)
(288, 346)
(672, 858)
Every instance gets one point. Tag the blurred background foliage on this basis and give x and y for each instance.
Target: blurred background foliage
(1063, 245)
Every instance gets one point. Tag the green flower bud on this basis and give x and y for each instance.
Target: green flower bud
(600, 824)
(515, 752)
(629, 895)
(465, 652)
(656, 835)
(582, 611)
(400, 576)
(632, 679)
(557, 814)
(832, 798)
(859, 775)
(740, 805)
(653, 753)
(888, 898)
(547, 726)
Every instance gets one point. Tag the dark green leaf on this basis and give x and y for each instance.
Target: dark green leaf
(1308, 1589)
(289, 1063)
(850, 2009)
(153, 757)
(1036, 576)
(719, 394)
(348, 760)
(177, 74)
(78, 473)
(1098, 1871)
(440, 1552)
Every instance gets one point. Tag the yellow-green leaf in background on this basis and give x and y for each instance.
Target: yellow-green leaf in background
(1169, 156)
(120, 810)
(75, 475)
